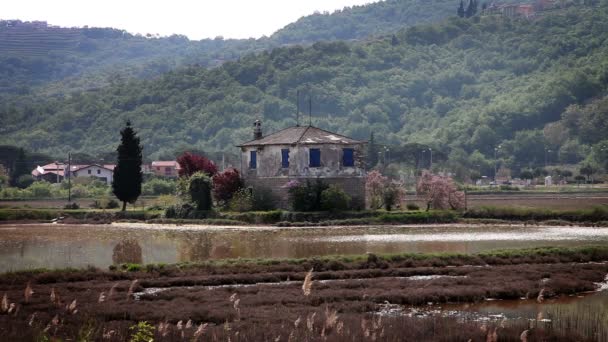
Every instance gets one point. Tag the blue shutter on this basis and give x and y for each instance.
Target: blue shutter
(285, 158)
(253, 160)
(348, 157)
(315, 157)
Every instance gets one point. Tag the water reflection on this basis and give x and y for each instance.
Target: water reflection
(586, 315)
(127, 251)
(58, 246)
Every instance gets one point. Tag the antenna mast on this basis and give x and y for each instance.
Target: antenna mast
(310, 109)
(298, 105)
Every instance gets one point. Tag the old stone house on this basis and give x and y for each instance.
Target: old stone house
(303, 153)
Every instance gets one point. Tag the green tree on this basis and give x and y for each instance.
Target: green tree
(372, 152)
(128, 177)
(19, 168)
(460, 11)
(199, 189)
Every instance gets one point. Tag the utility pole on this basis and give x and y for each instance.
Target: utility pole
(69, 177)
(496, 149)
(431, 167)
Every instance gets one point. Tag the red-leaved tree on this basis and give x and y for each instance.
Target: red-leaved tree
(226, 184)
(191, 163)
(439, 192)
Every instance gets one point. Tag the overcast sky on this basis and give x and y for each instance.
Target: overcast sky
(194, 18)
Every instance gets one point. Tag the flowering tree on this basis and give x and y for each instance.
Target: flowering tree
(381, 191)
(439, 192)
(374, 187)
(226, 183)
(191, 163)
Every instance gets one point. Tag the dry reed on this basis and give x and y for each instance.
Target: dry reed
(307, 285)
(541, 296)
(131, 288)
(28, 292)
(4, 305)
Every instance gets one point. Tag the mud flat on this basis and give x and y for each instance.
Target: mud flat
(349, 297)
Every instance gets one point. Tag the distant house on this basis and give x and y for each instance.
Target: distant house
(52, 173)
(103, 173)
(165, 168)
(303, 153)
(516, 10)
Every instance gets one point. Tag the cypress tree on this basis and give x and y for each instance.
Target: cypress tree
(469, 12)
(20, 167)
(126, 184)
(461, 9)
(372, 152)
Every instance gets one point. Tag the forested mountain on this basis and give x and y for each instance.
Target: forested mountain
(359, 22)
(68, 59)
(36, 54)
(463, 87)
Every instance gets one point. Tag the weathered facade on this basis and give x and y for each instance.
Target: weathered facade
(303, 153)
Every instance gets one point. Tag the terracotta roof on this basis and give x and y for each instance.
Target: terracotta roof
(165, 163)
(54, 168)
(307, 135)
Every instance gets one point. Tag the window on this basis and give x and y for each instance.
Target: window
(89, 171)
(348, 157)
(253, 160)
(315, 157)
(98, 172)
(285, 158)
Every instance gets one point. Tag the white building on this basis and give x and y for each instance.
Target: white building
(104, 173)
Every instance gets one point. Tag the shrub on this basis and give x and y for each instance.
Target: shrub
(242, 201)
(199, 189)
(142, 332)
(392, 196)
(412, 206)
(157, 186)
(24, 181)
(263, 199)
(306, 197)
(40, 189)
(112, 204)
(226, 184)
(334, 199)
(72, 206)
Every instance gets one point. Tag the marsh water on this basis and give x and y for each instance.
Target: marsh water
(59, 246)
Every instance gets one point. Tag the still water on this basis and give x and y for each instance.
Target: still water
(58, 246)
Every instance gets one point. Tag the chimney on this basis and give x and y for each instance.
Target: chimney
(257, 130)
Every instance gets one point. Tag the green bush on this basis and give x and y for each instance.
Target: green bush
(334, 199)
(241, 201)
(199, 189)
(24, 181)
(72, 206)
(595, 214)
(158, 186)
(412, 206)
(306, 197)
(263, 199)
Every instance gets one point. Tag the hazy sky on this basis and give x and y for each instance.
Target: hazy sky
(195, 19)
